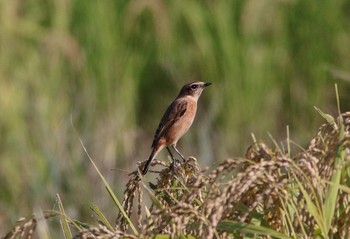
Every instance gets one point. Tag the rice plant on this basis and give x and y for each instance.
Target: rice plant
(267, 193)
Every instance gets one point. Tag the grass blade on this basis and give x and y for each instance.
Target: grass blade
(233, 226)
(332, 192)
(339, 186)
(109, 189)
(63, 219)
(102, 218)
(312, 208)
(327, 117)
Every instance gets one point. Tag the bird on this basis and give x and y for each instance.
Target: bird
(176, 121)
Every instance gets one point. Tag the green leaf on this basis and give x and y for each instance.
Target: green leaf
(339, 186)
(63, 219)
(312, 208)
(154, 199)
(233, 226)
(102, 218)
(327, 117)
(109, 189)
(114, 197)
(332, 192)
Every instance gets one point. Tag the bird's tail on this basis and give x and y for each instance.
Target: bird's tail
(149, 161)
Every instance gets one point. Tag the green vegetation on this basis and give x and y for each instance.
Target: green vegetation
(268, 194)
(113, 66)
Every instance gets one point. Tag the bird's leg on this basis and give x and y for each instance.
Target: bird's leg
(177, 151)
(171, 155)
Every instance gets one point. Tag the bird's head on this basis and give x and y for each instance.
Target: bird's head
(193, 89)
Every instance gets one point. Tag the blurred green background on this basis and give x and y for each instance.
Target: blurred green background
(114, 66)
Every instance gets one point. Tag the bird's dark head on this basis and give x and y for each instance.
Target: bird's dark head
(193, 89)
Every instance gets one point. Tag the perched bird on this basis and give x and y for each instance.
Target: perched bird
(176, 121)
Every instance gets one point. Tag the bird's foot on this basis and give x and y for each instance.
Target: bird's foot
(179, 161)
(176, 161)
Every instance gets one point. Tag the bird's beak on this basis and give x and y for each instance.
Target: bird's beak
(206, 84)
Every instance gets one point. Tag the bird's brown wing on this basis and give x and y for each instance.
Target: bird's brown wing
(174, 112)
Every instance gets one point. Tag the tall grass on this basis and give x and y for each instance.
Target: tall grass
(115, 65)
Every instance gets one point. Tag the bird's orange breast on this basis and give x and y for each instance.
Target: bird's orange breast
(180, 127)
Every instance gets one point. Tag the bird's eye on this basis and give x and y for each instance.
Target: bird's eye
(193, 87)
